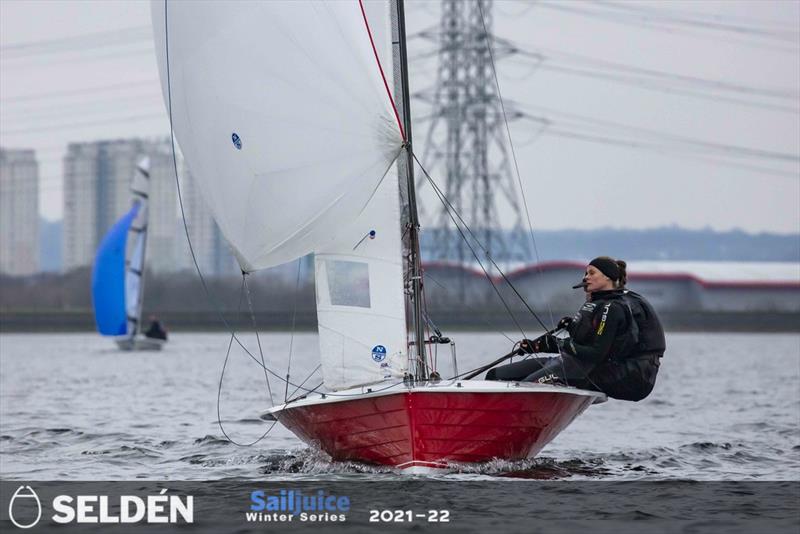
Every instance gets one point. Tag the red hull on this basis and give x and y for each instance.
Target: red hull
(414, 427)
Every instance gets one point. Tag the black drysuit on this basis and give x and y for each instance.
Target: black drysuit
(615, 346)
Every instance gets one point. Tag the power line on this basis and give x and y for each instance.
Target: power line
(648, 78)
(543, 54)
(108, 106)
(82, 58)
(82, 91)
(717, 23)
(639, 143)
(699, 144)
(667, 25)
(81, 42)
(78, 125)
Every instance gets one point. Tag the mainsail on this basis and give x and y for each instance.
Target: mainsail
(282, 113)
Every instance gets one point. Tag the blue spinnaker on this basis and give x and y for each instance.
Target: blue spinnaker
(108, 278)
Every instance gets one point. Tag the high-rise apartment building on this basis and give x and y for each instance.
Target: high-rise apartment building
(211, 250)
(97, 178)
(165, 236)
(19, 212)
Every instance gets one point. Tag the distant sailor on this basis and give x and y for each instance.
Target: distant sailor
(615, 341)
(155, 330)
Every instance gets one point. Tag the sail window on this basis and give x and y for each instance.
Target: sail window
(348, 283)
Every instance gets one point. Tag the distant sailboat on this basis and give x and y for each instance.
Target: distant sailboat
(285, 114)
(118, 273)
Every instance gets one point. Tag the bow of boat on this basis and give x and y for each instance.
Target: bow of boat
(433, 425)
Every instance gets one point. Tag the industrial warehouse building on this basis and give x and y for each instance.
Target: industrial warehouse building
(708, 294)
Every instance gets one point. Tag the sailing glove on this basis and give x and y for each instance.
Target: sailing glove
(545, 343)
(564, 322)
(525, 347)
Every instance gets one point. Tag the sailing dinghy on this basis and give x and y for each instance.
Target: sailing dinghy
(294, 118)
(118, 273)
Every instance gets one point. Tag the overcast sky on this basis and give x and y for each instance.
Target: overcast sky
(656, 113)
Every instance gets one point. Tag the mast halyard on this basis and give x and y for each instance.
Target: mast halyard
(421, 371)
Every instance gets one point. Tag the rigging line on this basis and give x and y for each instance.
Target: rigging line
(312, 390)
(203, 282)
(191, 247)
(317, 368)
(443, 199)
(427, 324)
(291, 339)
(380, 68)
(222, 375)
(258, 338)
(513, 154)
(449, 209)
(432, 279)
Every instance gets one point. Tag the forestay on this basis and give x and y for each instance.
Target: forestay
(282, 115)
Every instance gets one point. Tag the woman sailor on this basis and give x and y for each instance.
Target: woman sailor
(615, 341)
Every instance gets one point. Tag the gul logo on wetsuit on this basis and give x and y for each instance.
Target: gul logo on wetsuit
(602, 326)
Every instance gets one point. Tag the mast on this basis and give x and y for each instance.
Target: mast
(421, 371)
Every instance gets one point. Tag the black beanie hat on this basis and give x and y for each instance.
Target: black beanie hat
(607, 266)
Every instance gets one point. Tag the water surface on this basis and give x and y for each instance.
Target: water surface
(726, 407)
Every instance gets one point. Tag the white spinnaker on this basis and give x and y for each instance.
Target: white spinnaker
(282, 115)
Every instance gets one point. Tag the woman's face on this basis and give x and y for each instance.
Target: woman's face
(596, 280)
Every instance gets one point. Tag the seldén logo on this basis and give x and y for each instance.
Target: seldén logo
(23, 498)
(125, 509)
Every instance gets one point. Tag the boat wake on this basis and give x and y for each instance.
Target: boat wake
(310, 462)
(541, 468)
